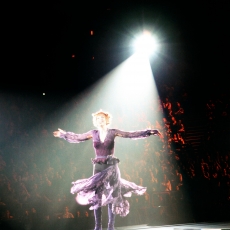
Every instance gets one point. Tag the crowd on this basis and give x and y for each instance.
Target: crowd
(36, 170)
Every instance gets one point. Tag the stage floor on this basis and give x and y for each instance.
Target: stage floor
(70, 224)
(198, 226)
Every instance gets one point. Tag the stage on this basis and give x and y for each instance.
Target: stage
(70, 225)
(198, 226)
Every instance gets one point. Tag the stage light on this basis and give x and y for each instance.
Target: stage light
(146, 43)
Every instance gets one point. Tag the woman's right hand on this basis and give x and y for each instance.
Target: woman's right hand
(59, 132)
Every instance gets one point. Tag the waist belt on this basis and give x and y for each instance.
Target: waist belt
(109, 160)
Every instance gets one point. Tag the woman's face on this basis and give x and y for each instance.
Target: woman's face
(101, 120)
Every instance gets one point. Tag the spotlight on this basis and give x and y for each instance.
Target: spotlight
(146, 43)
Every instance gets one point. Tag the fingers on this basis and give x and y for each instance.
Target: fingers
(61, 131)
(56, 133)
(156, 132)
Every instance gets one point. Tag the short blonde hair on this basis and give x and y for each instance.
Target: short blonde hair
(108, 117)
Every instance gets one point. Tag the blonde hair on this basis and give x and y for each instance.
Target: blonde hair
(108, 117)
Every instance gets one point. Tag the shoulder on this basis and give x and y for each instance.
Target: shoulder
(113, 130)
(93, 131)
(90, 133)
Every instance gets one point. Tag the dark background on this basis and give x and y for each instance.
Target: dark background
(40, 37)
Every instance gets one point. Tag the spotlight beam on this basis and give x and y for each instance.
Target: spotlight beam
(146, 44)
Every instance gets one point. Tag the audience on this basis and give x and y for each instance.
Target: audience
(36, 171)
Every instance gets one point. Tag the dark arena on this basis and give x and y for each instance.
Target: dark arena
(115, 115)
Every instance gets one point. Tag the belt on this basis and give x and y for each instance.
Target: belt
(109, 160)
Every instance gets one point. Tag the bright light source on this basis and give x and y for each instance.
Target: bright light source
(146, 43)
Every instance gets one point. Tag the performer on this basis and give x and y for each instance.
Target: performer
(105, 187)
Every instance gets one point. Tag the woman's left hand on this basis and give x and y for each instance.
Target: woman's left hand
(155, 132)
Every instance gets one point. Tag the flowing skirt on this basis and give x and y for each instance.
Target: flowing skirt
(106, 187)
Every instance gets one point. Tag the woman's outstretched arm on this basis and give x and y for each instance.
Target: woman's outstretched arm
(140, 134)
(73, 137)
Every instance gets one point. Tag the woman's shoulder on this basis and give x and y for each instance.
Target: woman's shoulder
(113, 130)
(93, 131)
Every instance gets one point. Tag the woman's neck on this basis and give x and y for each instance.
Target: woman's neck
(102, 128)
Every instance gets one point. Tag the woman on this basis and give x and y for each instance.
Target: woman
(105, 186)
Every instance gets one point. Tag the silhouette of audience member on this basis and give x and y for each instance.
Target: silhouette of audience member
(167, 108)
(179, 112)
(166, 184)
(67, 214)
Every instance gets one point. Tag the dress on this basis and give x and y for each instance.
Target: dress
(106, 186)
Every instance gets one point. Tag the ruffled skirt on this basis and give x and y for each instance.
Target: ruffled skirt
(106, 187)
